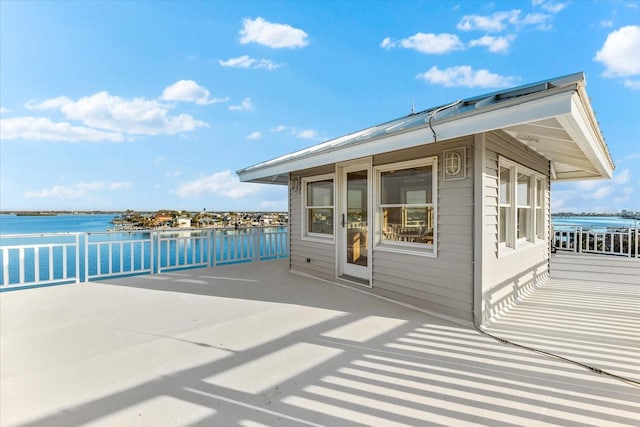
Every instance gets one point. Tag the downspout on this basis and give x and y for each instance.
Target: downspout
(477, 240)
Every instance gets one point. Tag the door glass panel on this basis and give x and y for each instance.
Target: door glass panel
(356, 218)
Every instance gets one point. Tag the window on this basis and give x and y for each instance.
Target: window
(406, 208)
(506, 209)
(539, 208)
(521, 199)
(318, 202)
(524, 206)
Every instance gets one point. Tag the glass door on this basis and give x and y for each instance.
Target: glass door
(355, 223)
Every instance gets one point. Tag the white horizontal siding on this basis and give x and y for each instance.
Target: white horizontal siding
(506, 277)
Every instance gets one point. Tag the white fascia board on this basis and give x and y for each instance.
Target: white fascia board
(588, 139)
(537, 109)
(454, 127)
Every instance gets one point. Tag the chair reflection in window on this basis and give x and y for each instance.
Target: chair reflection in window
(416, 234)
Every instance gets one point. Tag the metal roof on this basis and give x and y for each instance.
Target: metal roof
(553, 117)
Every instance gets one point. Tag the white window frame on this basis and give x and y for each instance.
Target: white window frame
(510, 206)
(513, 242)
(412, 248)
(529, 235)
(306, 234)
(540, 232)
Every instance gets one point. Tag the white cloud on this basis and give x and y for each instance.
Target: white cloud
(271, 34)
(540, 20)
(602, 192)
(500, 21)
(549, 6)
(189, 91)
(43, 129)
(137, 116)
(246, 105)
(49, 104)
(254, 135)
(495, 22)
(427, 43)
(222, 184)
(627, 193)
(606, 23)
(595, 195)
(247, 62)
(632, 84)
(4, 110)
(619, 54)
(465, 76)
(307, 134)
(77, 190)
(622, 177)
(280, 128)
(494, 44)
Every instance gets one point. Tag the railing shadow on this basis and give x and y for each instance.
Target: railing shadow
(341, 358)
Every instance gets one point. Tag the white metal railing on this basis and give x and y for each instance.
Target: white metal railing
(34, 260)
(117, 254)
(613, 241)
(40, 259)
(183, 249)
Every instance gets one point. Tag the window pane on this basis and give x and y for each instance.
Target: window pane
(406, 186)
(523, 222)
(320, 193)
(503, 224)
(539, 192)
(540, 223)
(320, 220)
(408, 224)
(524, 196)
(505, 179)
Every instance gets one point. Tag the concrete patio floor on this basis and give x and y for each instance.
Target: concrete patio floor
(254, 345)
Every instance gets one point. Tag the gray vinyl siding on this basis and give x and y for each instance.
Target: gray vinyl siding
(443, 283)
(507, 277)
(322, 255)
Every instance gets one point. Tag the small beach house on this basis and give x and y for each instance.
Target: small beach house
(446, 209)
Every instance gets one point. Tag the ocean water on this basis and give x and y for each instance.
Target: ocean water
(597, 223)
(12, 224)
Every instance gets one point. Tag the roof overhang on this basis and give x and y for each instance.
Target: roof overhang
(557, 122)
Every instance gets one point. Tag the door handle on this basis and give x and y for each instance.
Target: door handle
(343, 223)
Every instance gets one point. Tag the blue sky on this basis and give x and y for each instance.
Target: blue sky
(155, 105)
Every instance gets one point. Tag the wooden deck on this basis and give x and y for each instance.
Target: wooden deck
(254, 345)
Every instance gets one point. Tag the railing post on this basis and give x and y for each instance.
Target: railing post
(86, 257)
(213, 253)
(5, 266)
(578, 244)
(21, 266)
(152, 252)
(77, 257)
(256, 244)
(629, 242)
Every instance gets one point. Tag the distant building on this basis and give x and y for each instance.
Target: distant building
(183, 222)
